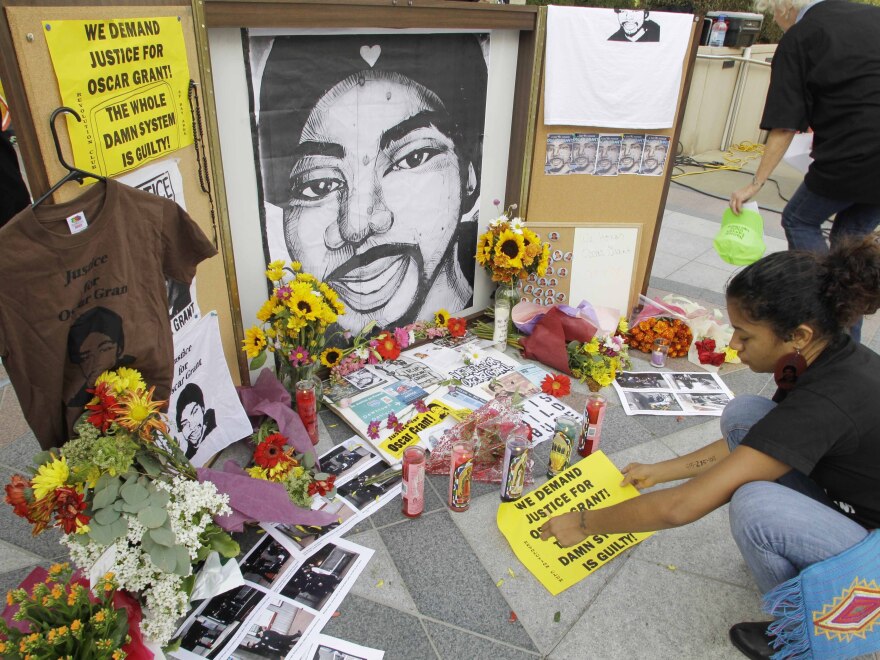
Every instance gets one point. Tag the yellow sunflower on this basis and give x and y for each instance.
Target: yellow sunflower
(296, 266)
(545, 260)
(484, 248)
(50, 476)
(303, 302)
(138, 412)
(267, 309)
(330, 357)
(510, 249)
(275, 270)
(441, 318)
(532, 246)
(254, 342)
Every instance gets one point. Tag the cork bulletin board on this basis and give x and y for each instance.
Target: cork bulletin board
(595, 262)
(602, 201)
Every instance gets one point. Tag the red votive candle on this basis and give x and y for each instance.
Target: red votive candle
(591, 433)
(307, 408)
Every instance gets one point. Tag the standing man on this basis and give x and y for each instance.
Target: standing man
(825, 76)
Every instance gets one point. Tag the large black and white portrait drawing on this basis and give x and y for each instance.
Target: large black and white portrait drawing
(369, 153)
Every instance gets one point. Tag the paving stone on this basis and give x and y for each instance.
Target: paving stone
(446, 579)
(368, 623)
(380, 581)
(20, 453)
(454, 644)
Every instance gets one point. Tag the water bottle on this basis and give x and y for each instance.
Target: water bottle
(718, 32)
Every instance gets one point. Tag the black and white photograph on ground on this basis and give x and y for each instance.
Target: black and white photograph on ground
(300, 538)
(325, 647)
(704, 403)
(361, 494)
(410, 370)
(274, 631)
(347, 458)
(672, 393)
(209, 631)
(369, 158)
(642, 380)
(695, 382)
(367, 378)
(319, 576)
(267, 562)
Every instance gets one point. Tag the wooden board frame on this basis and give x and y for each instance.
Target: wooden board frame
(624, 199)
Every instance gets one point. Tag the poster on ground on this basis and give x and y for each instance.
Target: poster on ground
(591, 483)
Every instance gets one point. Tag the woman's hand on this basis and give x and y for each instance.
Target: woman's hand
(566, 527)
(641, 475)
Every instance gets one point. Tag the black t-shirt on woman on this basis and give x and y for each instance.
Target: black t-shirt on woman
(828, 427)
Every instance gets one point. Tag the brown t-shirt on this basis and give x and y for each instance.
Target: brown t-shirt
(75, 305)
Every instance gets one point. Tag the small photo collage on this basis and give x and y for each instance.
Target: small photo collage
(606, 154)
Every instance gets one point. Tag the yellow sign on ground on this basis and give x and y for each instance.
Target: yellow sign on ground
(592, 483)
(397, 442)
(128, 79)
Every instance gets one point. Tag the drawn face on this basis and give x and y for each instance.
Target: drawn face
(192, 423)
(654, 157)
(376, 197)
(631, 154)
(97, 354)
(631, 20)
(558, 154)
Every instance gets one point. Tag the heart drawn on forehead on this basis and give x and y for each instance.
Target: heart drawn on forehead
(371, 54)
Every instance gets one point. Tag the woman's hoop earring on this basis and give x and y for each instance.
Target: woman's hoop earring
(789, 368)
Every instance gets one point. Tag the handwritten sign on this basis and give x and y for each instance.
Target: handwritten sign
(592, 483)
(128, 79)
(602, 265)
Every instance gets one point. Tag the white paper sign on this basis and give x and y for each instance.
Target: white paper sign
(602, 265)
(205, 412)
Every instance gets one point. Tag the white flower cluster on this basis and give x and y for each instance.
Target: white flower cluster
(191, 509)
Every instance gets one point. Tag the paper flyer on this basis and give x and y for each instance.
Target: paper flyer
(129, 81)
(672, 393)
(591, 483)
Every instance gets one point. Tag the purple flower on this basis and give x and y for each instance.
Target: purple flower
(402, 336)
(299, 356)
(346, 335)
(398, 427)
(282, 292)
(392, 421)
(373, 429)
(420, 406)
(496, 202)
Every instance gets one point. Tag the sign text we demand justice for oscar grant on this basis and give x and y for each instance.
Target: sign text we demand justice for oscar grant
(129, 80)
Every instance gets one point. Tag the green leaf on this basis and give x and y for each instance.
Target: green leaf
(43, 457)
(152, 517)
(107, 534)
(162, 536)
(134, 493)
(258, 361)
(187, 584)
(106, 516)
(321, 476)
(184, 563)
(105, 494)
(308, 461)
(150, 463)
(164, 558)
(225, 545)
(160, 498)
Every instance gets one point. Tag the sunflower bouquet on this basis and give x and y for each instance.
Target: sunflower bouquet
(294, 322)
(642, 335)
(509, 251)
(598, 361)
(122, 491)
(274, 460)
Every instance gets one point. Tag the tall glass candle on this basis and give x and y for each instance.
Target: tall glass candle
(413, 473)
(460, 472)
(307, 407)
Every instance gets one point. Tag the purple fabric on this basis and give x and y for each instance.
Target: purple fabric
(255, 500)
(531, 316)
(269, 397)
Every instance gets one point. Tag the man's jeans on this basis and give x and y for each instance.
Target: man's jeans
(781, 527)
(802, 220)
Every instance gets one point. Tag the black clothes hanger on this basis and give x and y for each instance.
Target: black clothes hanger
(73, 173)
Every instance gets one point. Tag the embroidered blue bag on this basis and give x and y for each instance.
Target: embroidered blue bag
(830, 610)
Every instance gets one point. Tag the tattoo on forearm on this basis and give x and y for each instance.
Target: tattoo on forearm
(700, 463)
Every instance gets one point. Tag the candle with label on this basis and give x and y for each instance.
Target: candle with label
(413, 473)
(460, 472)
(591, 431)
(307, 407)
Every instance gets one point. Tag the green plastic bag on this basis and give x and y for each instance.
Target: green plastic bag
(740, 241)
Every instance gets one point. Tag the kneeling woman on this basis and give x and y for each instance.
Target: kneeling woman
(801, 472)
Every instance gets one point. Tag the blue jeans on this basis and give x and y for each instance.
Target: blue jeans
(784, 526)
(802, 220)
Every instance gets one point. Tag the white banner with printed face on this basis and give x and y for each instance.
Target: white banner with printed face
(163, 178)
(205, 412)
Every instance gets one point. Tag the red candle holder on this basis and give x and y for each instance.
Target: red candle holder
(307, 407)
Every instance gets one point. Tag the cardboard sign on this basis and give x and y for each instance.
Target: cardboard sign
(591, 483)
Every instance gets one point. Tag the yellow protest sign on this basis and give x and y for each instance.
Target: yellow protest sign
(592, 483)
(395, 443)
(128, 79)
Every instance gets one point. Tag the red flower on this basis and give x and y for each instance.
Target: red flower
(104, 407)
(323, 486)
(387, 347)
(707, 354)
(457, 327)
(16, 496)
(270, 452)
(558, 385)
(69, 507)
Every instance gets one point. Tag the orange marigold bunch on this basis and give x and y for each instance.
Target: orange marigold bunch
(642, 335)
